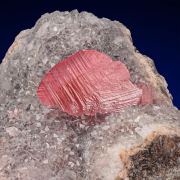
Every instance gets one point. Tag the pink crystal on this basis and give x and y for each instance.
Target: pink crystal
(88, 82)
(147, 93)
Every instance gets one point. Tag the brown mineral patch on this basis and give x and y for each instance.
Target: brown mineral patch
(159, 153)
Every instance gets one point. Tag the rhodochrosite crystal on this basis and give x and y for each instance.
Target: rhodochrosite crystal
(147, 93)
(88, 82)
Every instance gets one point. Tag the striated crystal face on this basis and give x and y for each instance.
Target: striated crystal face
(88, 82)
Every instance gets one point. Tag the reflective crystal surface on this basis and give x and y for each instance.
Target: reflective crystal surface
(88, 82)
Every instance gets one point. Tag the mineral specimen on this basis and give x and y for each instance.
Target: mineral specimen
(88, 82)
(37, 142)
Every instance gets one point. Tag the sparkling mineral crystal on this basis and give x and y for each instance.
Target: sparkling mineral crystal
(88, 82)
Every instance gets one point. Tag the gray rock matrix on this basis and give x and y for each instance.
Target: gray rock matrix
(41, 143)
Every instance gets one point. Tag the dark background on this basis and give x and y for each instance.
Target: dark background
(155, 27)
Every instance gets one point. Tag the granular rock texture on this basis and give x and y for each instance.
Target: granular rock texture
(41, 143)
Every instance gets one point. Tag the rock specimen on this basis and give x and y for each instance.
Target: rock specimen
(87, 83)
(40, 143)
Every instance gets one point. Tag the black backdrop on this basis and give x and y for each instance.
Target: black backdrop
(155, 27)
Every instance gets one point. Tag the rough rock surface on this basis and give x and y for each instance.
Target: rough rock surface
(40, 143)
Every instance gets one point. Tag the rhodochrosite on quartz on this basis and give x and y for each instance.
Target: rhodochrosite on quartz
(88, 82)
